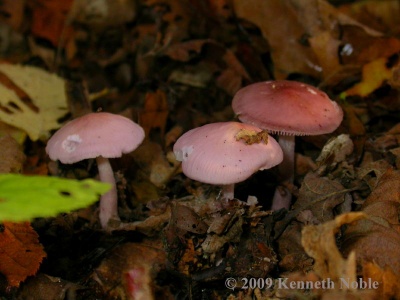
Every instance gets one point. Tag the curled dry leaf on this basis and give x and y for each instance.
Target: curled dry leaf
(231, 233)
(20, 252)
(377, 238)
(319, 242)
(335, 150)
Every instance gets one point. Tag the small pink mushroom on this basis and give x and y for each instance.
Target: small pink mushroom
(102, 136)
(226, 153)
(287, 108)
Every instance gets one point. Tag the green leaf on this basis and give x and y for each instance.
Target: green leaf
(23, 198)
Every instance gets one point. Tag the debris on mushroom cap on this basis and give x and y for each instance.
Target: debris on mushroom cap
(287, 107)
(92, 135)
(214, 154)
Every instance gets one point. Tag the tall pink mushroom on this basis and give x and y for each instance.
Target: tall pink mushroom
(102, 136)
(287, 108)
(226, 153)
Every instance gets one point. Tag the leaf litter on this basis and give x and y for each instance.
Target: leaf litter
(173, 65)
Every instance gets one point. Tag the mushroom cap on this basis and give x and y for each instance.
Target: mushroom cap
(287, 107)
(92, 135)
(212, 154)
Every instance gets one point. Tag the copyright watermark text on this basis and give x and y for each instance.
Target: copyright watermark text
(285, 284)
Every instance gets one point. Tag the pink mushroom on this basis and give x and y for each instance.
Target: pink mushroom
(226, 153)
(287, 108)
(102, 136)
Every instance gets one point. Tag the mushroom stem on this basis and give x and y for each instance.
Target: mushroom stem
(283, 197)
(108, 201)
(228, 191)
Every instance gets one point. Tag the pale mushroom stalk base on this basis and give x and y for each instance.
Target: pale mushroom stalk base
(108, 201)
(228, 191)
(283, 197)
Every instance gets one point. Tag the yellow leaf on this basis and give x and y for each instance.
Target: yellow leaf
(32, 99)
(374, 74)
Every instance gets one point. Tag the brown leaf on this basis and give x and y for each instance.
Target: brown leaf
(130, 269)
(12, 12)
(283, 30)
(320, 195)
(12, 156)
(20, 252)
(320, 243)
(155, 112)
(380, 15)
(177, 15)
(45, 287)
(185, 218)
(389, 286)
(377, 238)
(49, 19)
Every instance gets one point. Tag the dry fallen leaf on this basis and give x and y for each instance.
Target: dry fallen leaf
(377, 238)
(155, 112)
(45, 287)
(374, 74)
(12, 155)
(389, 286)
(49, 20)
(320, 195)
(131, 270)
(20, 252)
(319, 242)
(282, 29)
(12, 12)
(32, 99)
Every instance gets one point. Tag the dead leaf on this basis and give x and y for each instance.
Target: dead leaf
(184, 51)
(100, 14)
(320, 195)
(374, 74)
(155, 166)
(35, 101)
(377, 239)
(20, 252)
(130, 269)
(389, 287)
(12, 12)
(320, 243)
(380, 15)
(188, 259)
(282, 29)
(45, 287)
(214, 242)
(155, 112)
(49, 20)
(176, 15)
(184, 218)
(335, 150)
(12, 156)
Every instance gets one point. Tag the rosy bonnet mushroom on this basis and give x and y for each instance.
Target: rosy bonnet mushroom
(102, 136)
(226, 153)
(287, 108)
